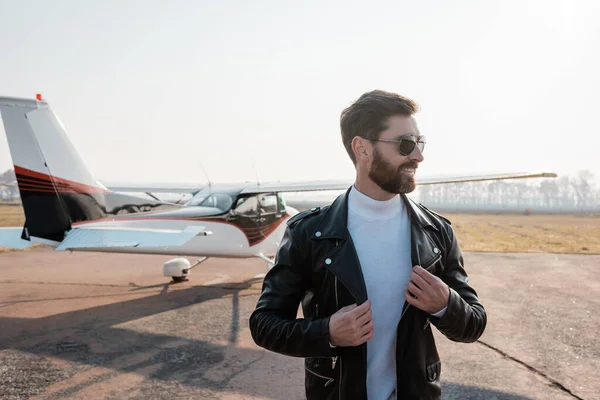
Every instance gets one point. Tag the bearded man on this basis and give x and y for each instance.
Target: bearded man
(373, 271)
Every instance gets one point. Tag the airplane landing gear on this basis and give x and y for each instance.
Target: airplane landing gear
(179, 268)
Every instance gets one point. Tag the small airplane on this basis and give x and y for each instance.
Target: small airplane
(66, 207)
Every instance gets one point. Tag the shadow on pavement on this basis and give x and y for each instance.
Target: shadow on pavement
(93, 339)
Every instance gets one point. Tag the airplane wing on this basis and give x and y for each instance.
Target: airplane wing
(98, 238)
(488, 177)
(154, 187)
(313, 186)
(79, 238)
(345, 184)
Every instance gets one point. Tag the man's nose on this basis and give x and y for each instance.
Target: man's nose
(417, 155)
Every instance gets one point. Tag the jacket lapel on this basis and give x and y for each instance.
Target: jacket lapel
(342, 259)
(424, 251)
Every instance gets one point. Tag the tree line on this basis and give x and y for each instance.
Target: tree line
(568, 194)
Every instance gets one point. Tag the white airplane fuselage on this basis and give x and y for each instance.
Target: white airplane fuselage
(226, 239)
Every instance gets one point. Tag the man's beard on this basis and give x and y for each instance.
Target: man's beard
(391, 179)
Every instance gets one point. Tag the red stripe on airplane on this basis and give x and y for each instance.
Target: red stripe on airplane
(44, 182)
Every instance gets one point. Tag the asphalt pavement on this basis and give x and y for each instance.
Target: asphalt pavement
(110, 326)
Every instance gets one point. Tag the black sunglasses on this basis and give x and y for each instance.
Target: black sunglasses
(406, 144)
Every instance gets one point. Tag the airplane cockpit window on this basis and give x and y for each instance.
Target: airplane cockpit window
(247, 206)
(267, 203)
(221, 201)
(258, 205)
(196, 200)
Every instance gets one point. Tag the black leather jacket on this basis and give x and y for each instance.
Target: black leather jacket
(317, 265)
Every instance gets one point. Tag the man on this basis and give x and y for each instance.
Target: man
(372, 270)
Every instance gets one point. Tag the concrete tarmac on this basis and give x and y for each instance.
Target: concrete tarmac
(110, 326)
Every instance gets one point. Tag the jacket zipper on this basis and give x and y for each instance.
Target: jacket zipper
(334, 359)
(337, 306)
(329, 380)
(340, 382)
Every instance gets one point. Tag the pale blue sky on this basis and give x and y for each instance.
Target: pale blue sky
(149, 89)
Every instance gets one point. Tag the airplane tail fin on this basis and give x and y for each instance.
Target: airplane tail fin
(57, 189)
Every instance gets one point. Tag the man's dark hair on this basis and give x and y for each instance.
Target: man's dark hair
(368, 116)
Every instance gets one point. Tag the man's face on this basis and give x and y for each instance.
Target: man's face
(390, 170)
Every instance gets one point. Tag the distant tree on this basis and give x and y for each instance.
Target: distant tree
(582, 188)
(550, 191)
(7, 176)
(566, 196)
(8, 193)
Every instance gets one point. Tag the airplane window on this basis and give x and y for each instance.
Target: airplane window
(247, 206)
(196, 200)
(267, 203)
(218, 200)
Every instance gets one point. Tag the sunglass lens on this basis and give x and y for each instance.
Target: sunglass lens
(406, 147)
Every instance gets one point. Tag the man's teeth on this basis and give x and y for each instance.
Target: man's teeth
(411, 170)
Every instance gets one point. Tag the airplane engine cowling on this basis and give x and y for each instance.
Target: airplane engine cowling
(177, 268)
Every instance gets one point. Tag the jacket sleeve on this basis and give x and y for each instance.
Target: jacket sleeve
(273, 324)
(465, 318)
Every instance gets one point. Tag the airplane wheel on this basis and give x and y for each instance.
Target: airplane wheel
(179, 279)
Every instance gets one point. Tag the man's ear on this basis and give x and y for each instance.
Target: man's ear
(361, 148)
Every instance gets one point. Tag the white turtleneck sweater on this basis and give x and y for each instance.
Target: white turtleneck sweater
(380, 231)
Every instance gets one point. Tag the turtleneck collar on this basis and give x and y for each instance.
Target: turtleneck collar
(366, 207)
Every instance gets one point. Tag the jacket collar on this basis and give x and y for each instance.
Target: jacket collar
(334, 224)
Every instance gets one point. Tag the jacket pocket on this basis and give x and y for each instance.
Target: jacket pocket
(319, 379)
(433, 371)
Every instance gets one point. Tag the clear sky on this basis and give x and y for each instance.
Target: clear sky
(148, 90)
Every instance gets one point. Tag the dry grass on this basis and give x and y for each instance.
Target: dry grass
(576, 234)
(11, 215)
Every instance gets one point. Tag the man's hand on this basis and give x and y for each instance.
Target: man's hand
(351, 325)
(430, 292)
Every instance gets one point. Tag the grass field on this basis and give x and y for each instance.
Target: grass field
(11, 214)
(575, 234)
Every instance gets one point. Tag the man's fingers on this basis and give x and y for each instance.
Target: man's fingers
(366, 337)
(411, 300)
(366, 328)
(419, 281)
(414, 289)
(423, 273)
(366, 317)
(363, 308)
